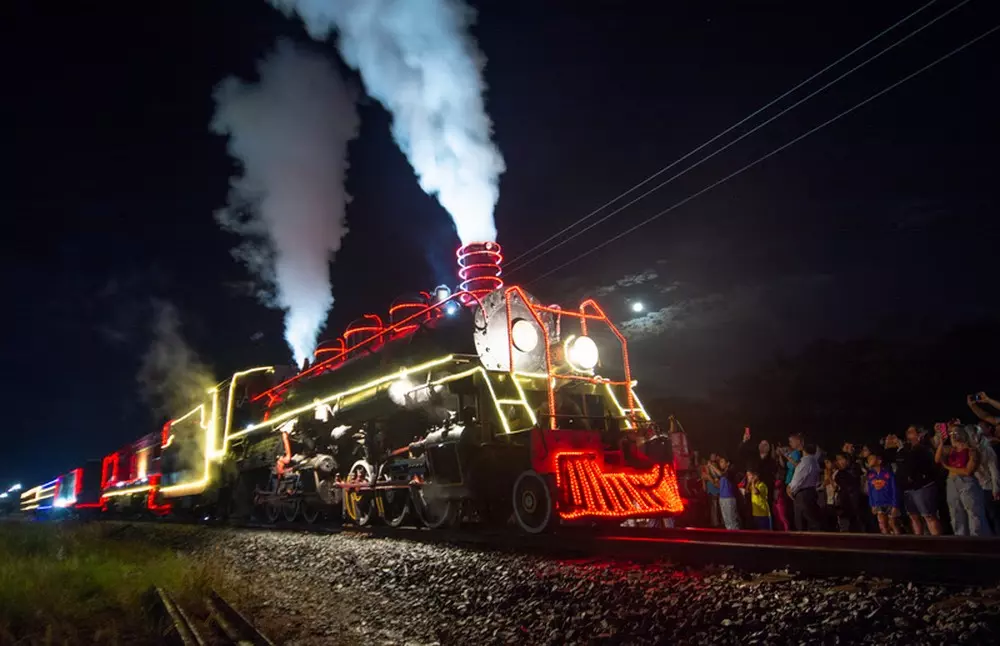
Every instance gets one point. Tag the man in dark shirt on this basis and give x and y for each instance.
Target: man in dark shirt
(915, 475)
(848, 497)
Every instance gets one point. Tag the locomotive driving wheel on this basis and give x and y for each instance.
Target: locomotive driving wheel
(533, 506)
(310, 512)
(434, 512)
(272, 509)
(290, 508)
(360, 504)
(395, 503)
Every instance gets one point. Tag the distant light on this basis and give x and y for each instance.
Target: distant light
(3, 495)
(16, 487)
(637, 306)
(451, 309)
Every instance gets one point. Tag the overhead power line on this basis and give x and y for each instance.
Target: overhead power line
(519, 262)
(772, 153)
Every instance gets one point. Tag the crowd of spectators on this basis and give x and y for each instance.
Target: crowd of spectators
(942, 480)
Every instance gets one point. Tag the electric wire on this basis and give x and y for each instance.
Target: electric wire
(518, 263)
(777, 150)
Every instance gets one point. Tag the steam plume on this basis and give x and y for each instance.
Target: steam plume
(417, 59)
(290, 133)
(172, 380)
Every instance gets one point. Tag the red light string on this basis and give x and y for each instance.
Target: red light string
(591, 489)
(273, 393)
(479, 268)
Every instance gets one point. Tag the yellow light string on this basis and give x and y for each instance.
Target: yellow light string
(125, 492)
(229, 405)
(357, 389)
(210, 426)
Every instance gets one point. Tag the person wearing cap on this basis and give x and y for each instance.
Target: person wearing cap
(965, 496)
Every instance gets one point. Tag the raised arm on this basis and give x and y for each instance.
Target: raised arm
(978, 410)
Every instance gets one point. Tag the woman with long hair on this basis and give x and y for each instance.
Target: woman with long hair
(965, 497)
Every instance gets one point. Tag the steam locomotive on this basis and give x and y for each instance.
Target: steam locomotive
(478, 406)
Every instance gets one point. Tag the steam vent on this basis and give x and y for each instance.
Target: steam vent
(479, 268)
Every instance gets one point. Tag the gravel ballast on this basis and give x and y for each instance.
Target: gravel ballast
(348, 589)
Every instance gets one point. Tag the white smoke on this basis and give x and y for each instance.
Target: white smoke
(417, 58)
(172, 379)
(289, 131)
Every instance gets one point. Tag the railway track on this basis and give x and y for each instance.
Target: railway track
(921, 559)
(216, 622)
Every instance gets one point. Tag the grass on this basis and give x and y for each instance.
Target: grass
(64, 583)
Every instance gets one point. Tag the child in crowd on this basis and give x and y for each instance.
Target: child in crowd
(727, 496)
(882, 495)
(759, 506)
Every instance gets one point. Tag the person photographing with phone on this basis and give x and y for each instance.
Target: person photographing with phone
(965, 497)
(975, 403)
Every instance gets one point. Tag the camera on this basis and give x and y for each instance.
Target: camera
(976, 398)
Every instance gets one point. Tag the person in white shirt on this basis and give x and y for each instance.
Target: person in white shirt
(802, 490)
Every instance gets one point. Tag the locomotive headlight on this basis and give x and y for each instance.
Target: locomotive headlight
(581, 353)
(524, 335)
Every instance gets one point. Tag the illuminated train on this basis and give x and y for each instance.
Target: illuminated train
(478, 406)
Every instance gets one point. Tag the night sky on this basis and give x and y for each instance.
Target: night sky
(885, 219)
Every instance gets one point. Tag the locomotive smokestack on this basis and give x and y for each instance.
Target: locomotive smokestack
(479, 269)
